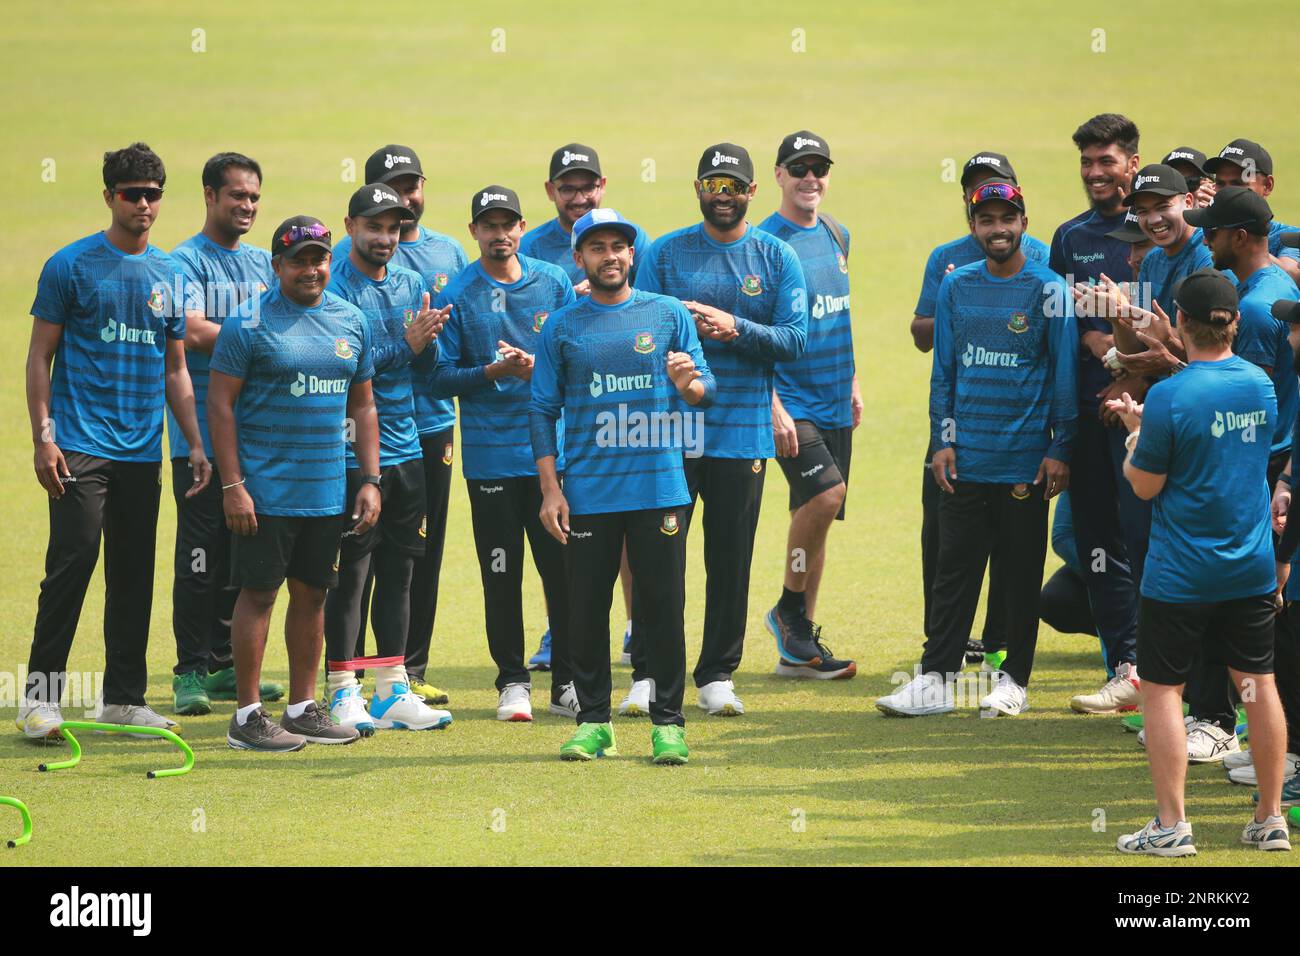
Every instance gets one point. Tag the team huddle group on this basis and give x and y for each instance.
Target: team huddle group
(604, 384)
(1144, 368)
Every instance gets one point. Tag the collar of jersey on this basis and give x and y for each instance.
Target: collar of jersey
(523, 277)
(749, 231)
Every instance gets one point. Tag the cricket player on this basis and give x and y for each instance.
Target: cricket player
(1002, 414)
(614, 364)
(110, 315)
(300, 374)
(1244, 162)
(1191, 163)
(231, 275)
(395, 302)
(499, 305)
(747, 292)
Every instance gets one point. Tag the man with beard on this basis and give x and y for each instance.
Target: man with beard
(576, 186)
(626, 355)
(395, 303)
(1246, 163)
(438, 259)
(1104, 506)
(107, 316)
(1002, 416)
(748, 295)
(499, 305)
(983, 166)
(231, 275)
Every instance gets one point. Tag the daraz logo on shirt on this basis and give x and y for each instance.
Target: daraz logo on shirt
(1244, 422)
(978, 355)
(829, 305)
(618, 383)
(305, 384)
(114, 331)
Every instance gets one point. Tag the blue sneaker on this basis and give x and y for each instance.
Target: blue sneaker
(541, 661)
(796, 641)
(626, 659)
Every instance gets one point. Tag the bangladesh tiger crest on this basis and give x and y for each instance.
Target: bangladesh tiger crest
(1019, 323)
(342, 349)
(424, 526)
(669, 525)
(539, 320)
(844, 263)
(156, 303)
(439, 281)
(446, 454)
(645, 343)
(757, 466)
(751, 285)
(408, 317)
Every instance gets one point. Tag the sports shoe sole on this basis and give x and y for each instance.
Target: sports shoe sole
(774, 629)
(538, 667)
(1168, 851)
(440, 724)
(803, 672)
(47, 735)
(584, 756)
(726, 710)
(193, 710)
(240, 745)
(632, 710)
(519, 717)
(1084, 709)
(670, 760)
(924, 712)
(1281, 844)
(1003, 712)
(333, 740)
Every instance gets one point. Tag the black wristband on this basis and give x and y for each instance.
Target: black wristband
(370, 480)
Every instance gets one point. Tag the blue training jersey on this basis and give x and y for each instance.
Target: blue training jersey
(625, 429)
(297, 366)
(1160, 272)
(1262, 340)
(818, 385)
(758, 280)
(117, 311)
(1002, 389)
(550, 243)
(231, 282)
(389, 305)
(962, 252)
(494, 415)
(438, 259)
(1207, 429)
(1275, 248)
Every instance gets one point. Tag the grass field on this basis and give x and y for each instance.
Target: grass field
(812, 774)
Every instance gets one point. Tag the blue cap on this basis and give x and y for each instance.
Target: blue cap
(601, 219)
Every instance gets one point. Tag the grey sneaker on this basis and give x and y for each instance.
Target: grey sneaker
(260, 733)
(315, 726)
(136, 715)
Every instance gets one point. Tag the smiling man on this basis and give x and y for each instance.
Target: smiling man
(1244, 162)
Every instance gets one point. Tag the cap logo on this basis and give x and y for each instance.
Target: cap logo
(1130, 218)
(1233, 151)
(574, 158)
(985, 161)
(800, 142)
(490, 197)
(379, 196)
(719, 159)
(1187, 156)
(1143, 180)
(390, 160)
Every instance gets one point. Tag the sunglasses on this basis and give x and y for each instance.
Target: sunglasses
(134, 194)
(1003, 191)
(301, 233)
(800, 170)
(723, 184)
(568, 190)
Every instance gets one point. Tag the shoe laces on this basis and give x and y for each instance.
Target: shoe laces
(670, 733)
(588, 731)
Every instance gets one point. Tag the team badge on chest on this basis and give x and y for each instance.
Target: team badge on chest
(342, 349)
(539, 320)
(439, 281)
(645, 343)
(843, 263)
(751, 285)
(1019, 323)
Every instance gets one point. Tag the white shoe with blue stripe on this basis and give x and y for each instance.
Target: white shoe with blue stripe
(1155, 840)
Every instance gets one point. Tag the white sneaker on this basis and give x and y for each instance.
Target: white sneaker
(1007, 697)
(1208, 742)
(1268, 834)
(637, 701)
(348, 709)
(1242, 758)
(38, 719)
(403, 710)
(1188, 720)
(1156, 840)
(515, 703)
(922, 696)
(136, 715)
(719, 699)
(1246, 775)
(1123, 692)
(567, 705)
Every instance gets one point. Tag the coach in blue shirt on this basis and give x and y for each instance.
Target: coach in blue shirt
(1199, 446)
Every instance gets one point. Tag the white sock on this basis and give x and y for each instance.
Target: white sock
(340, 679)
(242, 715)
(386, 677)
(297, 710)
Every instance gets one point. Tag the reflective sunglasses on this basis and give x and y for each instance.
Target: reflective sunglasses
(134, 194)
(1003, 191)
(300, 233)
(723, 184)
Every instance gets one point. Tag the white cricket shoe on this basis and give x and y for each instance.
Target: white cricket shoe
(1242, 758)
(1188, 720)
(719, 699)
(567, 705)
(637, 701)
(348, 709)
(1208, 742)
(515, 703)
(38, 719)
(1123, 692)
(403, 710)
(136, 715)
(1245, 774)
(1156, 840)
(922, 696)
(1007, 697)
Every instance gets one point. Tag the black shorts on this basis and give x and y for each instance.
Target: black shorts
(305, 549)
(822, 462)
(1237, 633)
(401, 515)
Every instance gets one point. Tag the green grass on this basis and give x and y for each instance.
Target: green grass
(896, 90)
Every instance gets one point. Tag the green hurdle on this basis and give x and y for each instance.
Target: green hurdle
(74, 746)
(27, 820)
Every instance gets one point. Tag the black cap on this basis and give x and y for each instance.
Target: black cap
(1284, 310)
(1130, 231)
(1245, 153)
(800, 144)
(1159, 179)
(996, 163)
(1009, 194)
(1185, 154)
(574, 156)
(299, 232)
(494, 197)
(389, 162)
(726, 159)
(375, 198)
(1203, 292)
(1234, 207)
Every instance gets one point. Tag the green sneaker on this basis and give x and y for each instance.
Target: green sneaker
(1132, 723)
(669, 742)
(220, 685)
(189, 696)
(590, 740)
(993, 661)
